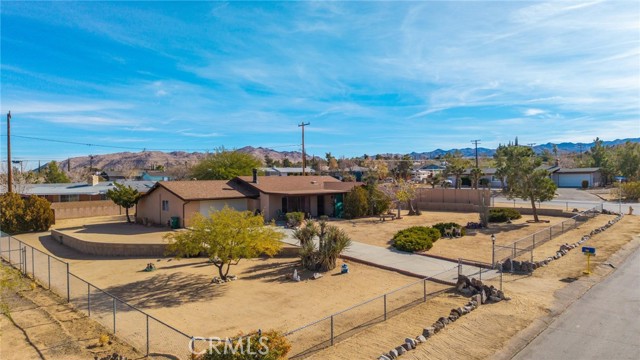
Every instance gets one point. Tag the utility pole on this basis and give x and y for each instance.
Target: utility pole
(68, 164)
(476, 142)
(531, 145)
(90, 164)
(304, 160)
(9, 163)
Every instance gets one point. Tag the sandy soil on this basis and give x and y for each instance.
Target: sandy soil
(43, 326)
(180, 292)
(476, 245)
(484, 332)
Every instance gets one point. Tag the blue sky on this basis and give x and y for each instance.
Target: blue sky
(371, 77)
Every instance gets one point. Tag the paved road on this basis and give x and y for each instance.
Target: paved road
(603, 324)
(574, 198)
(403, 261)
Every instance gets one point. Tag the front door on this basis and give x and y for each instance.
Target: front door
(320, 205)
(338, 206)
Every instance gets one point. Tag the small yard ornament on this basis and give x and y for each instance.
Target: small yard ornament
(344, 269)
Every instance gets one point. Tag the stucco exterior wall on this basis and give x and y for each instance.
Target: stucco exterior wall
(150, 207)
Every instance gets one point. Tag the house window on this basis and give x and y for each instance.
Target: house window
(68, 198)
(165, 205)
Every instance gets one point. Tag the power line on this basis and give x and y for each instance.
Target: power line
(123, 147)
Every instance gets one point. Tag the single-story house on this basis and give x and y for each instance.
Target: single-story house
(272, 196)
(574, 177)
(286, 171)
(121, 175)
(154, 175)
(90, 191)
(182, 199)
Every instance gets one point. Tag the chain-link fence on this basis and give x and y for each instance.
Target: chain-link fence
(327, 331)
(530, 242)
(139, 329)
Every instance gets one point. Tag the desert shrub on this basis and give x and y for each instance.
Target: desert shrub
(19, 216)
(442, 226)
(274, 346)
(379, 202)
(585, 184)
(415, 238)
(631, 190)
(356, 203)
(503, 214)
(38, 214)
(484, 182)
(295, 218)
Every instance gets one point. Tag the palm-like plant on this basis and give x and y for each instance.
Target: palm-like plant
(331, 243)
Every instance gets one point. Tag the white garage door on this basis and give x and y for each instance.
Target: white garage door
(214, 205)
(572, 180)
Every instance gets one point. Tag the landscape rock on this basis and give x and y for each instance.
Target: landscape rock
(383, 357)
(393, 354)
(411, 342)
(401, 350)
(428, 332)
(421, 338)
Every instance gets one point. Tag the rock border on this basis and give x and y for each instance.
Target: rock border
(528, 267)
(479, 293)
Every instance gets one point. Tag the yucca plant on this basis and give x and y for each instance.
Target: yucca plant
(331, 243)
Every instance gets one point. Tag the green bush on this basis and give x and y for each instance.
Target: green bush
(415, 238)
(294, 218)
(356, 203)
(20, 216)
(442, 226)
(379, 202)
(274, 346)
(631, 190)
(503, 214)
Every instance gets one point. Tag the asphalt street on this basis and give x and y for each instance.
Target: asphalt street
(602, 324)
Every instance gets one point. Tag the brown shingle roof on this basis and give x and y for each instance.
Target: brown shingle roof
(205, 189)
(298, 184)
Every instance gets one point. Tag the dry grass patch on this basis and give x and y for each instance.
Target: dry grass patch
(486, 331)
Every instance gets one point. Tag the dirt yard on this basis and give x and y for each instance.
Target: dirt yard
(490, 331)
(180, 292)
(475, 245)
(42, 326)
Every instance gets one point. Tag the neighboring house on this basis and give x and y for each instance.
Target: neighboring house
(121, 175)
(285, 171)
(89, 191)
(153, 175)
(574, 177)
(427, 171)
(273, 196)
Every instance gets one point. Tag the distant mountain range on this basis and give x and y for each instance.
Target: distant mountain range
(151, 159)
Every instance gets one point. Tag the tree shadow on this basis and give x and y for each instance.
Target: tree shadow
(168, 289)
(277, 272)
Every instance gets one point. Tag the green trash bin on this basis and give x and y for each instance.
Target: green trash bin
(175, 222)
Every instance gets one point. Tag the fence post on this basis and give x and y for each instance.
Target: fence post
(480, 273)
(49, 272)
(89, 299)
(9, 256)
(533, 246)
(331, 330)
(562, 227)
(424, 289)
(550, 232)
(68, 285)
(24, 260)
(385, 308)
(33, 265)
(114, 316)
(459, 267)
(147, 334)
(514, 250)
(500, 277)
